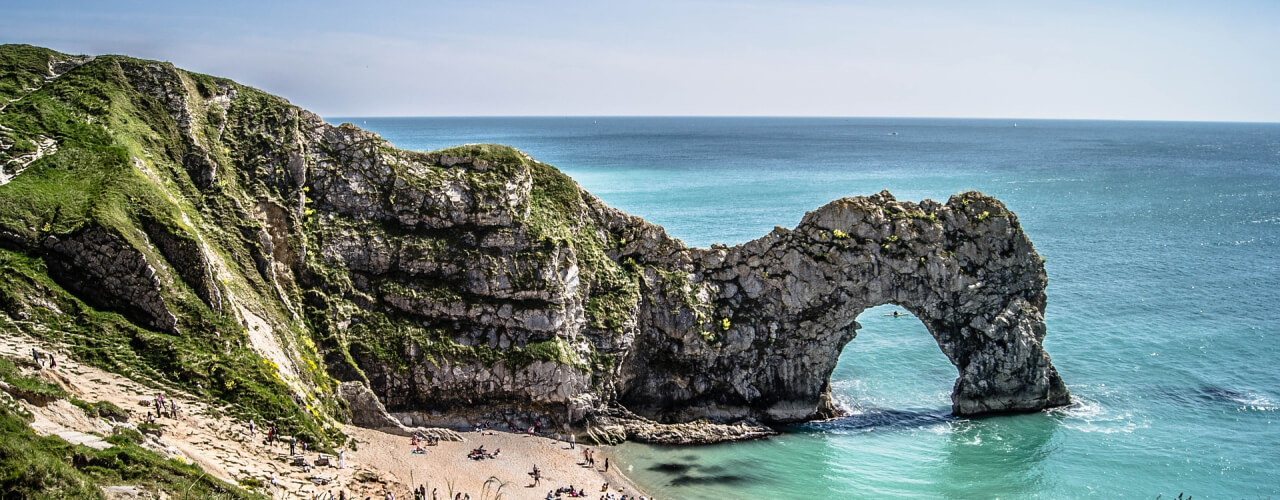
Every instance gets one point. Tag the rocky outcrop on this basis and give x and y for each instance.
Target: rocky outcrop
(366, 411)
(756, 330)
(110, 273)
(726, 334)
(615, 425)
(184, 253)
(476, 283)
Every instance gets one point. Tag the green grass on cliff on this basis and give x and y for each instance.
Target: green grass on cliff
(218, 369)
(557, 215)
(103, 126)
(22, 67)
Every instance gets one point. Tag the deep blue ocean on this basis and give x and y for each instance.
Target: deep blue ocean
(1163, 248)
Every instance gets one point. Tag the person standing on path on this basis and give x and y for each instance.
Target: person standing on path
(293, 442)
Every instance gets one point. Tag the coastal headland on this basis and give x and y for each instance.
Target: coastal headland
(201, 237)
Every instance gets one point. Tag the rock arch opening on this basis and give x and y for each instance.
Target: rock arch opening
(893, 366)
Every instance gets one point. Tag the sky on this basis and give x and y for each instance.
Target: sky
(1157, 60)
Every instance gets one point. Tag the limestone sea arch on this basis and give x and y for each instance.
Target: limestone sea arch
(784, 306)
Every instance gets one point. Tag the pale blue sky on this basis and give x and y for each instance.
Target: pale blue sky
(1167, 60)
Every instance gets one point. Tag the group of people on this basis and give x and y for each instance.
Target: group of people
(419, 440)
(39, 358)
(273, 434)
(589, 459)
(481, 454)
(536, 475)
(163, 410)
(485, 428)
(568, 491)
(420, 493)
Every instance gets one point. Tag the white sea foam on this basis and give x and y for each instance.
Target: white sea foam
(1091, 416)
(1255, 402)
(1046, 181)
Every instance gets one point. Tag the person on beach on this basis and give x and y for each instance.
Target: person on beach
(606, 464)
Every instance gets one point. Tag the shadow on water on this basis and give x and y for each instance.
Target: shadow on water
(1211, 395)
(688, 480)
(689, 471)
(877, 419)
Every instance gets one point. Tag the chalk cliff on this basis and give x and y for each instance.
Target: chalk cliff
(221, 234)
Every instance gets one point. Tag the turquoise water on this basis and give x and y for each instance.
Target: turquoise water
(1163, 248)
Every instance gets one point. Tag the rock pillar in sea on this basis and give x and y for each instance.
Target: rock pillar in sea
(754, 331)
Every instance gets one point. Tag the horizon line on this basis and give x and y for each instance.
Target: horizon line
(833, 117)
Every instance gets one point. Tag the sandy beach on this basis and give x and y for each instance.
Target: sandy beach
(446, 468)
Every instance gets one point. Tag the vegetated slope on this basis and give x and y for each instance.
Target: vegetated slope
(189, 230)
(113, 242)
(185, 229)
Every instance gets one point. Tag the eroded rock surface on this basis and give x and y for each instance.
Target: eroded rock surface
(778, 311)
(478, 283)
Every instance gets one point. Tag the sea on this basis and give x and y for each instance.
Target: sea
(1162, 242)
